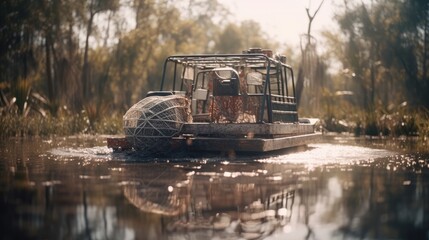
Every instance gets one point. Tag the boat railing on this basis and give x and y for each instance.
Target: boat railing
(283, 108)
(270, 100)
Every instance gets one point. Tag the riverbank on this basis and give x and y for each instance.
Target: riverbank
(37, 125)
(397, 125)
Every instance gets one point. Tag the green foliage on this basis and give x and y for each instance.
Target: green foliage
(13, 125)
(384, 53)
(398, 121)
(66, 65)
(421, 119)
(236, 38)
(21, 100)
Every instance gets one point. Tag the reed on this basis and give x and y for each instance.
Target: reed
(14, 125)
(400, 122)
(394, 123)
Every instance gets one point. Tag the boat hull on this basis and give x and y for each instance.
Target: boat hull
(217, 137)
(257, 144)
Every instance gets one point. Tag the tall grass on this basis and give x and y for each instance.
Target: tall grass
(15, 125)
(399, 122)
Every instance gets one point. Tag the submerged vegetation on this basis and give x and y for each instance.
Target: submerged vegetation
(75, 66)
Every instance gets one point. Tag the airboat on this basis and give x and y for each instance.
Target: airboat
(218, 103)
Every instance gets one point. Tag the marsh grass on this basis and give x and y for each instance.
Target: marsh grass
(422, 123)
(14, 125)
(397, 123)
(340, 113)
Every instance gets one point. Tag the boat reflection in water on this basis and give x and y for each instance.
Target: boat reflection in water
(237, 201)
(370, 193)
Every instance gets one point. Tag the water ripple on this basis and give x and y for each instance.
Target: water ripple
(321, 154)
(93, 152)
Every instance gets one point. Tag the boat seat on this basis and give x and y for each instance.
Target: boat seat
(200, 96)
(229, 86)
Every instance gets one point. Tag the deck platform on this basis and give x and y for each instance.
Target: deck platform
(247, 144)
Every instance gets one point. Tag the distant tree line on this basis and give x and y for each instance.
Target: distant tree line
(383, 48)
(98, 57)
(102, 56)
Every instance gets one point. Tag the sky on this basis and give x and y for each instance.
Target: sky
(284, 20)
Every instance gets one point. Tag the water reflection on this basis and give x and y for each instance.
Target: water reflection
(225, 200)
(75, 189)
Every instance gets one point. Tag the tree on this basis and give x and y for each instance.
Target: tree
(311, 70)
(386, 39)
(93, 7)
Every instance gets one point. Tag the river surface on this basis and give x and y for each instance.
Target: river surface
(339, 188)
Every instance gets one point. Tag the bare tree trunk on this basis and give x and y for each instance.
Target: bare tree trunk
(425, 42)
(310, 20)
(48, 69)
(306, 69)
(85, 68)
(425, 77)
(299, 86)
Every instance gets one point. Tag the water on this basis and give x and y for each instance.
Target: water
(339, 188)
